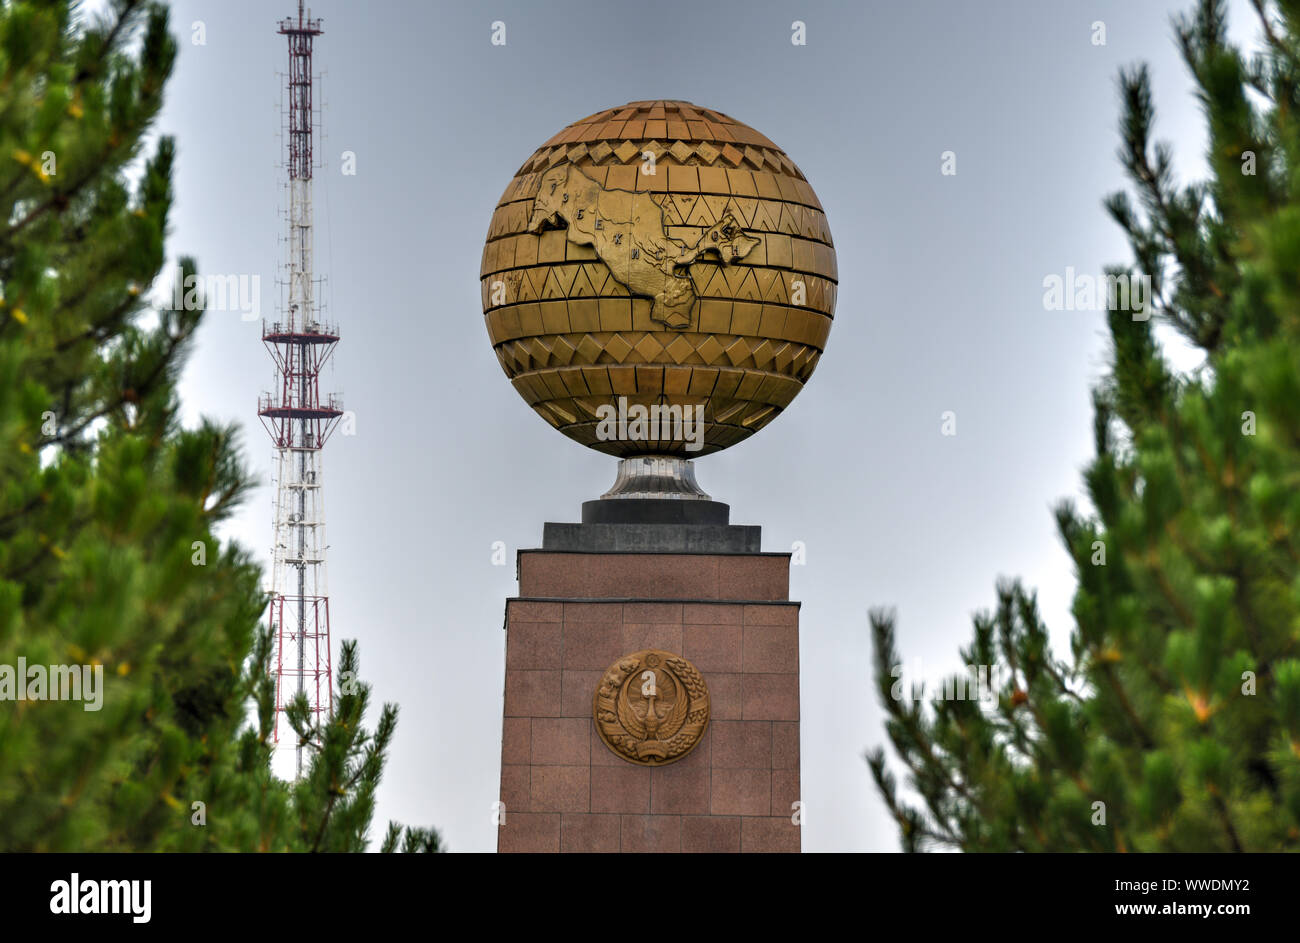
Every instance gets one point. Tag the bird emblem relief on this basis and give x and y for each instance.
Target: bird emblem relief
(652, 707)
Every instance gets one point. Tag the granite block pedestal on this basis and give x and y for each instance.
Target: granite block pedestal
(617, 584)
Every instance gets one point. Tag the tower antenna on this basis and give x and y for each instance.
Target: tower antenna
(300, 422)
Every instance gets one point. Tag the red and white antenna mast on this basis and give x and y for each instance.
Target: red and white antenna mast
(300, 422)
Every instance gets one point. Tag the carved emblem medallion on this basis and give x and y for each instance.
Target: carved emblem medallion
(651, 707)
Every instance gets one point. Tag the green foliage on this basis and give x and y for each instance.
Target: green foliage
(1179, 704)
(108, 505)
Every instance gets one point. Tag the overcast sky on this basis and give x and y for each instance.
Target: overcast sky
(940, 308)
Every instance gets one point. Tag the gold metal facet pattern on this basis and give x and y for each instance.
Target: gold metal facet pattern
(710, 282)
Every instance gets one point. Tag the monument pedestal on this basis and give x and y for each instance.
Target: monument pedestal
(652, 655)
(623, 583)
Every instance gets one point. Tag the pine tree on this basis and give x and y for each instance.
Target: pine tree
(108, 505)
(1174, 722)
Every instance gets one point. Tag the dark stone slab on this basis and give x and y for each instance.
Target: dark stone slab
(655, 511)
(652, 538)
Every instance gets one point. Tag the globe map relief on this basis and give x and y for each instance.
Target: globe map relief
(662, 255)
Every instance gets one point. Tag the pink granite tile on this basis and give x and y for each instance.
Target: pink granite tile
(769, 697)
(516, 740)
(713, 647)
(771, 649)
(774, 834)
(579, 692)
(785, 746)
(561, 741)
(740, 744)
(592, 646)
(652, 833)
(710, 834)
(533, 645)
(725, 696)
(561, 788)
(624, 788)
(520, 610)
(677, 790)
(712, 614)
(588, 833)
(741, 792)
(642, 612)
(529, 832)
(532, 693)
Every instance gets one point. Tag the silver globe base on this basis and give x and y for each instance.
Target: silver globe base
(656, 476)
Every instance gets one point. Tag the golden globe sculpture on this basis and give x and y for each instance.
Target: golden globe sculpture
(656, 264)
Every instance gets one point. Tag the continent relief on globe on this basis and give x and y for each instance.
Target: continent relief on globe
(628, 232)
(708, 283)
